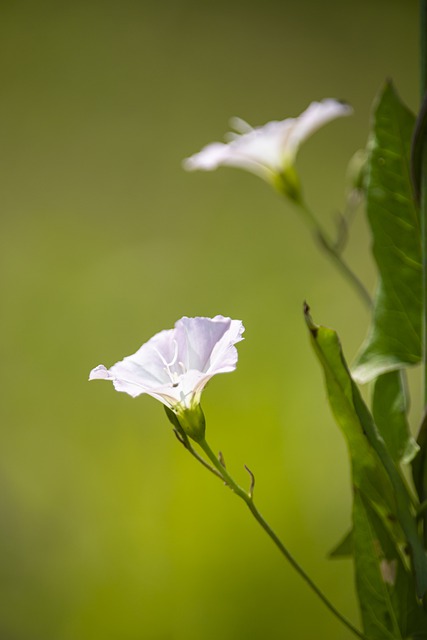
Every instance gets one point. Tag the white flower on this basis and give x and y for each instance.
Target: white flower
(175, 365)
(267, 151)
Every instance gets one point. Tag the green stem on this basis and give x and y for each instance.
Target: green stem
(424, 273)
(423, 214)
(423, 47)
(327, 245)
(184, 440)
(423, 187)
(248, 499)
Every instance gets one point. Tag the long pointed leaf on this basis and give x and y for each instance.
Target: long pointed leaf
(394, 339)
(375, 474)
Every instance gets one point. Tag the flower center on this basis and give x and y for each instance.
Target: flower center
(174, 376)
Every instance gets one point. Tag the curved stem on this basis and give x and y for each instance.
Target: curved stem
(248, 499)
(354, 198)
(184, 440)
(327, 245)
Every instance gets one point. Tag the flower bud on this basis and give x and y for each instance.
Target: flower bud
(356, 171)
(173, 420)
(192, 421)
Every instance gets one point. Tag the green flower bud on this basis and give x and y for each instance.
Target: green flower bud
(288, 184)
(192, 421)
(356, 170)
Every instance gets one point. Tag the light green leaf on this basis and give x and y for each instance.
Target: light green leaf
(374, 473)
(389, 409)
(394, 339)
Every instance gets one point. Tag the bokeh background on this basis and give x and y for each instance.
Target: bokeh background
(108, 529)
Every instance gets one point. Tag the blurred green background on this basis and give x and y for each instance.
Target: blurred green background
(108, 528)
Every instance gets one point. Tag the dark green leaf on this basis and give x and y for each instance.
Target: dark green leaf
(419, 474)
(419, 464)
(390, 608)
(418, 142)
(389, 408)
(344, 548)
(394, 338)
(377, 608)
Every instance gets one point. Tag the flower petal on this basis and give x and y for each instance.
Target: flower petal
(267, 150)
(313, 118)
(175, 365)
(100, 373)
(202, 340)
(232, 155)
(240, 125)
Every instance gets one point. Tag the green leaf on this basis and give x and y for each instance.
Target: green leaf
(372, 577)
(418, 140)
(389, 408)
(419, 464)
(344, 548)
(419, 475)
(374, 473)
(389, 606)
(394, 339)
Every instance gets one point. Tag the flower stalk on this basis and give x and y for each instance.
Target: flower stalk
(332, 250)
(247, 497)
(423, 186)
(420, 141)
(270, 152)
(175, 365)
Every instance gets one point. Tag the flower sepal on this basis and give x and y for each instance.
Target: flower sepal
(269, 151)
(191, 420)
(288, 184)
(357, 171)
(174, 367)
(171, 416)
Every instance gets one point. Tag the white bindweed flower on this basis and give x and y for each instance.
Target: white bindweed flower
(269, 151)
(175, 365)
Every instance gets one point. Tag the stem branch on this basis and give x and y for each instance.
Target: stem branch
(248, 499)
(333, 252)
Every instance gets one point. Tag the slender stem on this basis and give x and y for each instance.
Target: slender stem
(185, 441)
(424, 273)
(423, 186)
(226, 477)
(423, 214)
(354, 199)
(248, 499)
(423, 47)
(327, 245)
